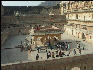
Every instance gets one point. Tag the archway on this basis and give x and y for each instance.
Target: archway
(75, 68)
(83, 36)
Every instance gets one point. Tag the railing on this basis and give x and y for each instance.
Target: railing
(81, 20)
(48, 33)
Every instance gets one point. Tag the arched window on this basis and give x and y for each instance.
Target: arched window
(75, 68)
(85, 68)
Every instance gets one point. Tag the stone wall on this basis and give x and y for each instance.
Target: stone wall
(13, 31)
(19, 30)
(32, 20)
(84, 62)
(4, 36)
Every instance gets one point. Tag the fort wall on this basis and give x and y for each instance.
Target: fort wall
(83, 62)
(9, 20)
(32, 18)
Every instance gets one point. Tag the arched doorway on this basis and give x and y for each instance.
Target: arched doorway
(78, 34)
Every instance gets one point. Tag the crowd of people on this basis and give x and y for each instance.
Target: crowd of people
(25, 47)
(55, 54)
(61, 46)
(60, 52)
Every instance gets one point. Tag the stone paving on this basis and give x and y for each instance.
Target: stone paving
(15, 55)
(88, 49)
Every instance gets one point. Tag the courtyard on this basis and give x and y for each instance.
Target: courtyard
(11, 54)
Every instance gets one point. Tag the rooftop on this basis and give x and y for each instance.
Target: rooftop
(47, 30)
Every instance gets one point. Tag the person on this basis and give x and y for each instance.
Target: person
(46, 50)
(59, 47)
(22, 48)
(26, 44)
(21, 42)
(53, 55)
(57, 53)
(49, 54)
(60, 53)
(79, 46)
(37, 57)
(30, 49)
(74, 51)
(83, 48)
(68, 53)
(51, 47)
(63, 44)
(68, 46)
(80, 51)
(38, 50)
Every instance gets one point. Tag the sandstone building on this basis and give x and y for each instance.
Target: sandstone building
(79, 15)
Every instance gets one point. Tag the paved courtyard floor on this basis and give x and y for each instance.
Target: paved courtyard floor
(15, 55)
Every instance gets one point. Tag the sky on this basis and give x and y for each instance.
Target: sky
(21, 3)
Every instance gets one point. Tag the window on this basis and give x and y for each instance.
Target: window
(84, 67)
(90, 37)
(84, 18)
(68, 16)
(76, 16)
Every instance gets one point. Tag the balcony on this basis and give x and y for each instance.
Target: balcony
(79, 10)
